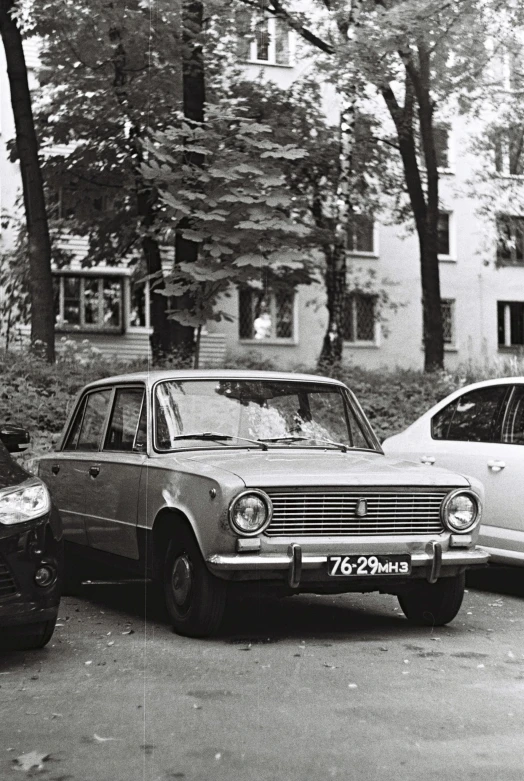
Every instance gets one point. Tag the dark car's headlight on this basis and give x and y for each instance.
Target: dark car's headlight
(461, 511)
(250, 513)
(28, 500)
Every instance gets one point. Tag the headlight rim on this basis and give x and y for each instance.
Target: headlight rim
(445, 505)
(30, 482)
(269, 506)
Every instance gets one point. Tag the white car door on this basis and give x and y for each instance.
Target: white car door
(480, 433)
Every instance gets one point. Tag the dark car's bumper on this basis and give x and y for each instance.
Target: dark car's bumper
(25, 548)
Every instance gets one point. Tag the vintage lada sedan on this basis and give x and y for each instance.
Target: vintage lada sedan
(216, 481)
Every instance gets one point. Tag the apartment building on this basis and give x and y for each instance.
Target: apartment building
(481, 266)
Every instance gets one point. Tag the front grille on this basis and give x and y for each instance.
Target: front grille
(305, 512)
(7, 583)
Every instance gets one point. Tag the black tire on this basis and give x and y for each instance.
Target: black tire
(195, 599)
(434, 604)
(27, 637)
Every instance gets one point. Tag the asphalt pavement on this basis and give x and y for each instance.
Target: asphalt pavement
(303, 689)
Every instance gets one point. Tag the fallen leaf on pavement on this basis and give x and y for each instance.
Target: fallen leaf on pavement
(34, 760)
(102, 740)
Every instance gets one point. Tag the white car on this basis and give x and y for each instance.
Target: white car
(479, 431)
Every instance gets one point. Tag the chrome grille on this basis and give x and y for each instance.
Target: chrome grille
(303, 512)
(7, 583)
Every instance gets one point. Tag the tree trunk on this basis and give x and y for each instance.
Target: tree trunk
(430, 272)
(39, 245)
(162, 339)
(194, 92)
(336, 282)
(424, 208)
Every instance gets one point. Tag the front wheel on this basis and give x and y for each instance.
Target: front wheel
(434, 604)
(195, 599)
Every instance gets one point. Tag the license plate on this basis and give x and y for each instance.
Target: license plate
(363, 566)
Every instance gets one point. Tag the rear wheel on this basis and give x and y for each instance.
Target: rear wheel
(195, 599)
(434, 604)
(27, 637)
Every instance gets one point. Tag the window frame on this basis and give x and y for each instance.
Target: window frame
(451, 302)
(506, 323)
(374, 252)
(271, 22)
(82, 326)
(497, 423)
(375, 342)
(80, 409)
(451, 256)
(450, 150)
(513, 220)
(273, 340)
(116, 389)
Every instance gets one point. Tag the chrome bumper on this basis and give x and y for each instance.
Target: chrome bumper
(294, 561)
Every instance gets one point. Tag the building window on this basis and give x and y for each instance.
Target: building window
(263, 38)
(88, 302)
(360, 322)
(447, 307)
(266, 315)
(62, 203)
(509, 148)
(361, 233)
(516, 68)
(441, 141)
(510, 323)
(443, 234)
(510, 239)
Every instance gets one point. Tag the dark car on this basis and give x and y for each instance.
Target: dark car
(30, 551)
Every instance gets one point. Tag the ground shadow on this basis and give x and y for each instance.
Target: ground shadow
(498, 580)
(368, 617)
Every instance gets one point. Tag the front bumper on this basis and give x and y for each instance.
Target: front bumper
(431, 563)
(23, 549)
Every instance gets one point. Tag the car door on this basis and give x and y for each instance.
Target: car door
(481, 433)
(114, 475)
(66, 473)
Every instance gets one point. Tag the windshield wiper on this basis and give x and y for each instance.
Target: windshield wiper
(340, 445)
(216, 437)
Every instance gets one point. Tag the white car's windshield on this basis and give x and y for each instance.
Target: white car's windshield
(237, 413)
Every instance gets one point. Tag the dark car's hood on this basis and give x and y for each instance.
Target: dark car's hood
(286, 467)
(11, 473)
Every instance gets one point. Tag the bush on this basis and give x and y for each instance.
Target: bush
(39, 397)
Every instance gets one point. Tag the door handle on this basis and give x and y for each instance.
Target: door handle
(496, 466)
(427, 459)
(55, 469)
(94, 471)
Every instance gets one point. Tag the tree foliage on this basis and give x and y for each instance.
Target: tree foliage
(235, 207)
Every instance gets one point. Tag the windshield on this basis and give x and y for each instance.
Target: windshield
(231, 413)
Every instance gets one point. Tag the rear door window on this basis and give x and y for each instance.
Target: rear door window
(473, 417)
(88, 425)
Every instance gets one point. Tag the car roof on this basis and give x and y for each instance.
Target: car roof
(151, 377)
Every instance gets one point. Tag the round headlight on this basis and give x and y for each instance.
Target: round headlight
(461, 511)
(250, 513)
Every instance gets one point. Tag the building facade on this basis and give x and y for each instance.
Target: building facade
(481, 267)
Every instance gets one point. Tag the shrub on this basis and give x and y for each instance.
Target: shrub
(38, 396)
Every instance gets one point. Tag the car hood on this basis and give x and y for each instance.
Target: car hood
(284, 468)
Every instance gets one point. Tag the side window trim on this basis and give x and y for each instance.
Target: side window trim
(132, 386)
(497, 424)
(83, 404)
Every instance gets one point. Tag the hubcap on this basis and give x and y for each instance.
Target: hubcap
(182, 579)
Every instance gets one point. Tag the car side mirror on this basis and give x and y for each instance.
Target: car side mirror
(15, 439)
